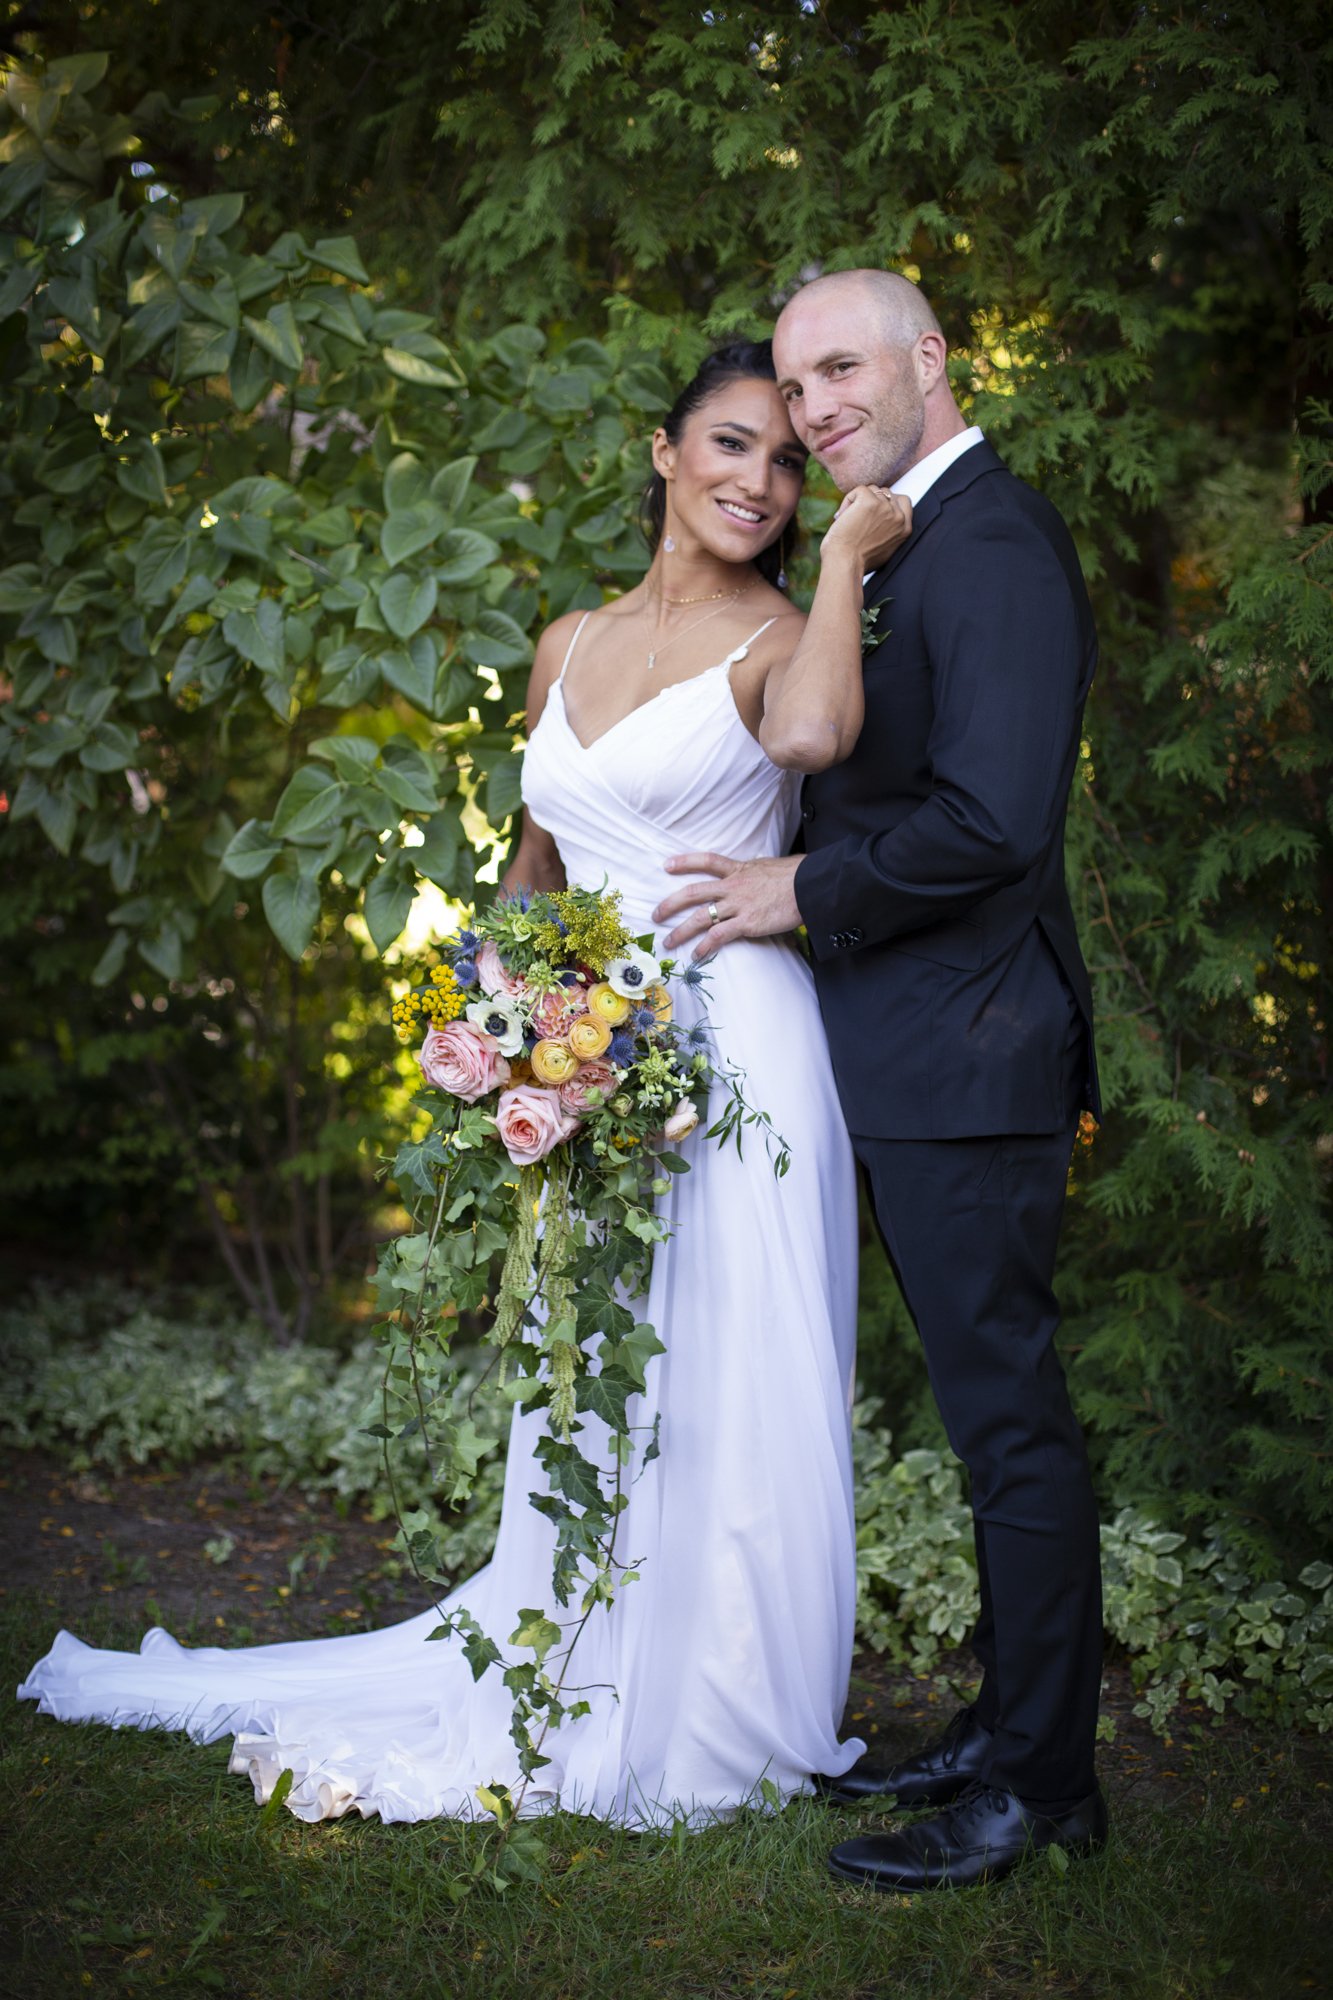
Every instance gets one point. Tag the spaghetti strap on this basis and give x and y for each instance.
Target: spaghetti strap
(739, 652)
(569, 650)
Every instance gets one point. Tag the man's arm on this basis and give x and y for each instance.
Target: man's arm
(1005, 644)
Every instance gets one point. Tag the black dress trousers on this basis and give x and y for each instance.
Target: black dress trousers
(971, 1227)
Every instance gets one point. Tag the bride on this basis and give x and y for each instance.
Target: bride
(679, 717)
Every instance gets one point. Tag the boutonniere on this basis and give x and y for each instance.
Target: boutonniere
(872, 632)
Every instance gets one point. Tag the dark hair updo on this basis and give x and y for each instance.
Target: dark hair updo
(739, 361)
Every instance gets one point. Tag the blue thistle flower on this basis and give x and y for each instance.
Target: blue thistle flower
(643, 1020)
(693, 974)
(465, 971)
(465, 944)
(620, 1049)
(698, 1037)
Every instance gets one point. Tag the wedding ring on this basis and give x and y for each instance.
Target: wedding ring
(712, 913)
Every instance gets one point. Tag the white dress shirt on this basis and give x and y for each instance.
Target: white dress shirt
(918, 479)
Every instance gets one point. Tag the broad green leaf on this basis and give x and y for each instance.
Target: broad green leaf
(249, 851)
(406, 603)
(203, 349)
(424, 374)
(352, 757)
(21, 586)
(278, 335)
(161, 561)
(310, 800)
(451, 483)
(463, 555)
(494, 640)
(291, 905)
(112, 959)
(503, 789)
(437, 856)
(388, 900)
(411, 529)
(163, 952)
(604, 1396)
(340, 254)
(406, 791)
(536, 1630)
(80, 73)
(217, 212)
(406, 481)
(57, 816)
(257, 635)
(413, 672)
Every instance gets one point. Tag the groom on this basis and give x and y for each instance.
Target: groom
(958, 1013)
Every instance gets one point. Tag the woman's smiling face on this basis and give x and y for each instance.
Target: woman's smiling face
(734, 479)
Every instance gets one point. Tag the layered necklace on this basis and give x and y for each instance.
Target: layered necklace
(719, 599)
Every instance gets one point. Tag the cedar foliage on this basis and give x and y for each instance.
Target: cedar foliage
(1123, 216)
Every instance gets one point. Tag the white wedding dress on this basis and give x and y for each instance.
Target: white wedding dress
(727, 1663)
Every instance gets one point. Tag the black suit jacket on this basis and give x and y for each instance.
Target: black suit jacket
(932, 886)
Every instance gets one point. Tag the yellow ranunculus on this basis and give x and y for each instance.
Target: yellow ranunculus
(659, 1000)
(553, 1062)
(589, 1036)
(606, 1004)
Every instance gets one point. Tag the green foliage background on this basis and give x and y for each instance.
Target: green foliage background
(283, 523)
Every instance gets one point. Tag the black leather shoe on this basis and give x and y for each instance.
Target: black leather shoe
(934, 1777)
(982, 1836)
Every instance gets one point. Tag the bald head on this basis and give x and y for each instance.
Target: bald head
(900, 310)
(861, 366)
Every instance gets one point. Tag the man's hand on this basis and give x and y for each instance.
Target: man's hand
(752, 899)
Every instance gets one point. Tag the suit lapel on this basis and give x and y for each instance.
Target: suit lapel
(973, 464)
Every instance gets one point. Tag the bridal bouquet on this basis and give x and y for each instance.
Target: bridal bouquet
(556, 1081)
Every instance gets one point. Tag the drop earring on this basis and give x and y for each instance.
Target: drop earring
(669, 544)
(782, 579)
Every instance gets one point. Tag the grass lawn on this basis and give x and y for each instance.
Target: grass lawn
(134, 1864)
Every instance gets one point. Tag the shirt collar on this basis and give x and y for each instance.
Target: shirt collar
(918, 479)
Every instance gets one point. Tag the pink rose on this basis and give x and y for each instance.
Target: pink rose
(591, 1080)
(530, 1120)
(462, 1060)
(492, 976)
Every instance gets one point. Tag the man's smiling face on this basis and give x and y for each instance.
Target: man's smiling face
(854, 398)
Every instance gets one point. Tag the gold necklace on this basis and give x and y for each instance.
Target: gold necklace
(661, 644)
(708, 597)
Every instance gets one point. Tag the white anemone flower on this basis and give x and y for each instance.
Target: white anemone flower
(501, 1019)
(633, 974)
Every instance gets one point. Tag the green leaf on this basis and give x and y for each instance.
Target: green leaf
(291, 905)
(495, 640)
(463, 555)
(278, 335)
(388, 901)
(112, 959)
(249, 851)
(311, 798)
(504, 794)
(437, 856)
(57, 815)
(406, 482)
(161, 561)
(406, 603)
(412, 671)
(536, 1630)
(424, 374)
(411, 529)
(163, 952)
(202, 349)
(604, 1396)
(340, 254)
(352, 757)
(406, 791)
(256, 632)
(451, 482)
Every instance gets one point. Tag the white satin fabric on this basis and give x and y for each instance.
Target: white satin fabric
(727, 1662)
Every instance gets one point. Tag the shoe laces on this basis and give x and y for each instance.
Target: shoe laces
(953, 1737)
(990, 1798)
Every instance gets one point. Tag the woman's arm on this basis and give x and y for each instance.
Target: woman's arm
(535, 862)
(814, 702)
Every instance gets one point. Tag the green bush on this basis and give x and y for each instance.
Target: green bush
(108, 1378)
